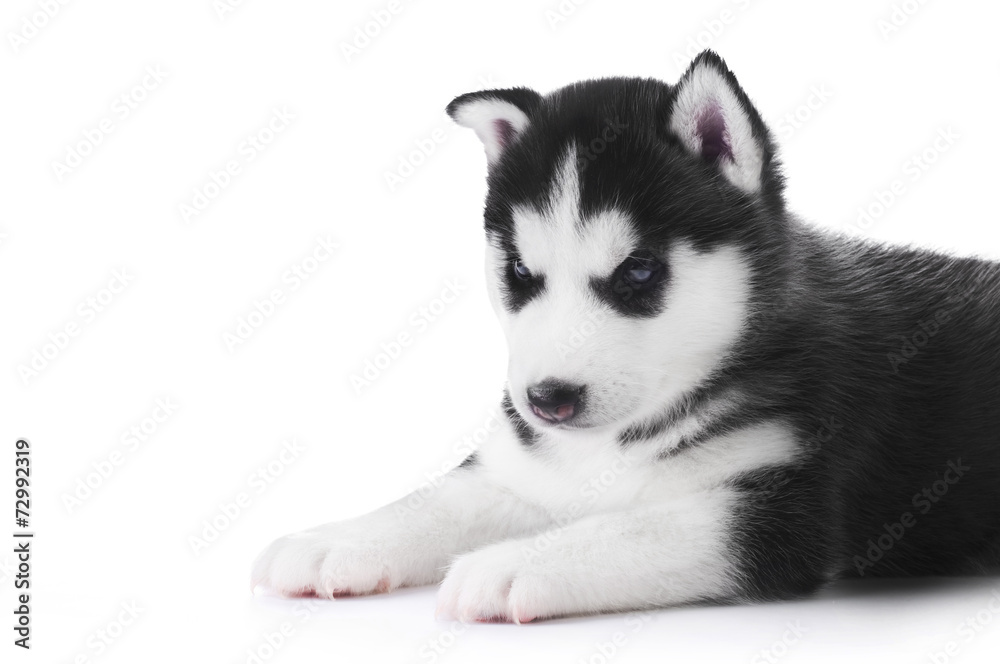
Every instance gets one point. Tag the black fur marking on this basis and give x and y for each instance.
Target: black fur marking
(782, 537)
(683, 445)
(900, 348)
(470, 461)
(645, 430)
(525, 433)
(635, 300)
(740, 416)
(518, 292)
(700, 206)
(687, 406)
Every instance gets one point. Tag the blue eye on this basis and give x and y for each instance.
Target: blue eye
(639, 275)
(639, 272)
(521, 270)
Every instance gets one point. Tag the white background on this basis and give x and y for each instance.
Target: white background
(885, 96)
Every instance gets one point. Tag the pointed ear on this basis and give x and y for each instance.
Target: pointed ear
(714, 119)
(497, 116)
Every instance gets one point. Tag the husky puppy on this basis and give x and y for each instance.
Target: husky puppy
(707, 400)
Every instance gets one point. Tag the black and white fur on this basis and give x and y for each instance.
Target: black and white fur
(754, 404)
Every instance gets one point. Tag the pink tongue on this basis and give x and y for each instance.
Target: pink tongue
(562, 412)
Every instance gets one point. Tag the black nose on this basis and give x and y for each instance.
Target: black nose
(555, 401)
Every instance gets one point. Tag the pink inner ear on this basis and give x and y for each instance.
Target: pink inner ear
(714, 137)
(504, 132)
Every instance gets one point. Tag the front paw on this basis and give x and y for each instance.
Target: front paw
(500, 583)
(330, 561)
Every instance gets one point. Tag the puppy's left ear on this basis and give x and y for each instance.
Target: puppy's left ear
(497, 116)
(714, 119)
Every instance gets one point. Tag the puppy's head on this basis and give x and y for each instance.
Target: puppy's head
(625, 221)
